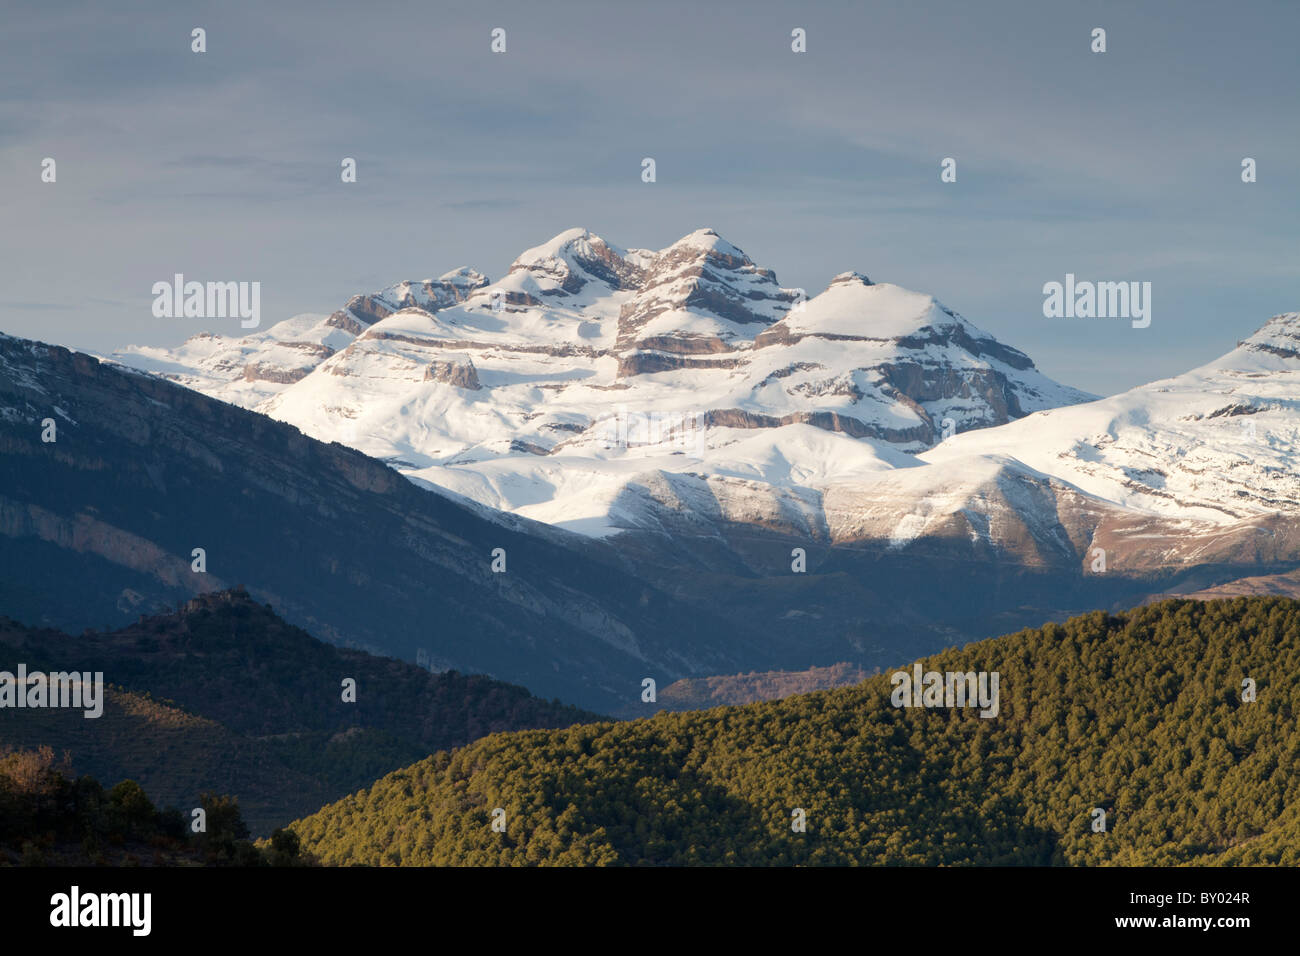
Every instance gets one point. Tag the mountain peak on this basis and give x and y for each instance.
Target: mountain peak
(557, 246)
(850, 278)
(699, 295)
(464, 277)
(1278, 336)
(853, 306)
(566, 262)
(707, 241)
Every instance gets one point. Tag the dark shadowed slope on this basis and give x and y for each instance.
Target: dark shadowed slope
(103, 521)
(224, 696)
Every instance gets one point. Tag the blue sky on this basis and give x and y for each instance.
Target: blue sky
(225, 165)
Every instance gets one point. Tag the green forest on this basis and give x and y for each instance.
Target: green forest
(1140, 715)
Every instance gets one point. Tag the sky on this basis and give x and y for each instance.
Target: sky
(225, 165)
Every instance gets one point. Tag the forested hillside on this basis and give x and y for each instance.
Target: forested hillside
(223, 695)
(1140, 715)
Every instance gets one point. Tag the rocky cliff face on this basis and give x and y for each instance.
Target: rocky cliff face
(455, 370)
(701, 295)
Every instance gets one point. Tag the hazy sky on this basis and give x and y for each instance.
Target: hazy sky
(225, 165)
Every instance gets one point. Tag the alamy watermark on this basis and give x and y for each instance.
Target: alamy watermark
(208, 300)
(74, 908)
(1098, 300)
(59, 689)
(946, 689)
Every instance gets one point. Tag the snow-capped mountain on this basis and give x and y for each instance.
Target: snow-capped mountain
(707, 421)
(1195, 469)
(603, 389)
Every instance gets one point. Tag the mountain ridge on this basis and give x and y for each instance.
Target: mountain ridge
(593, 359)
